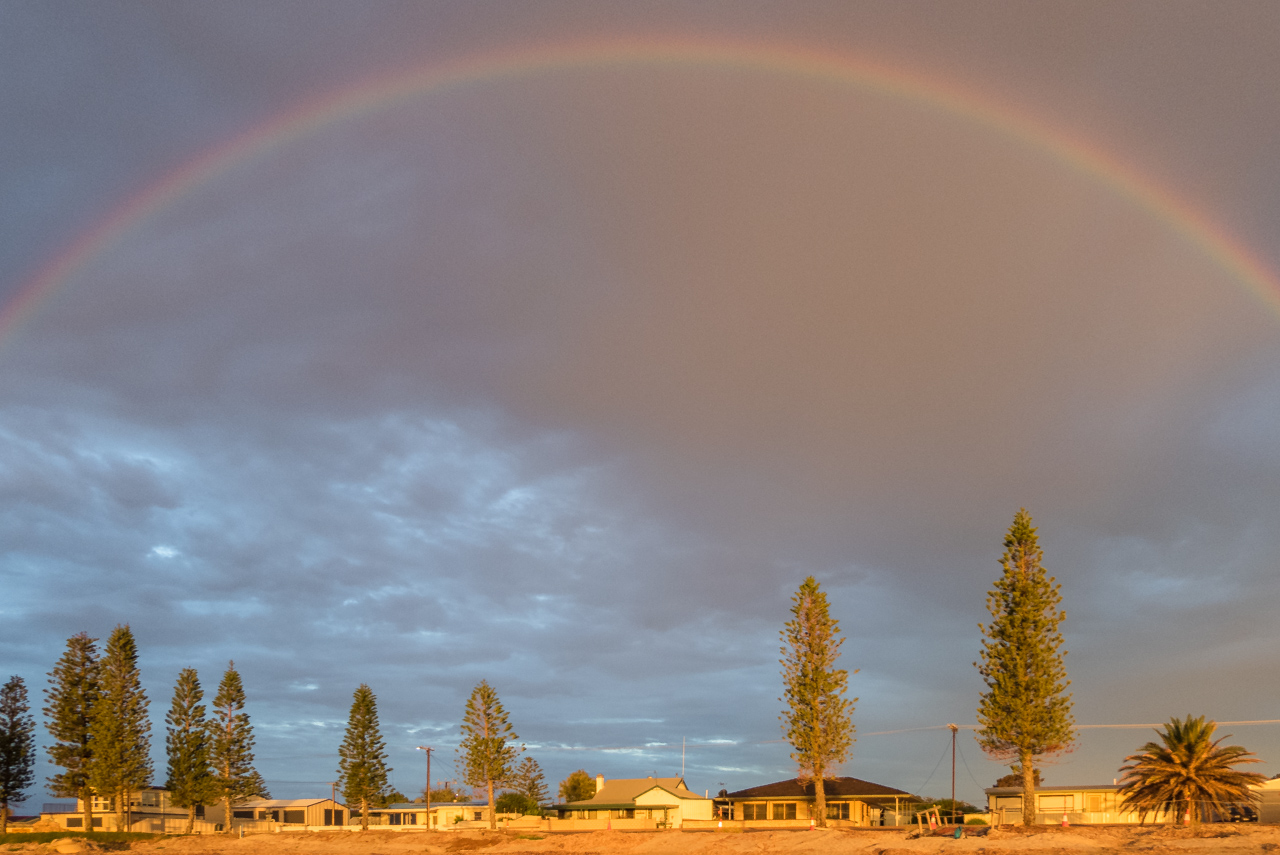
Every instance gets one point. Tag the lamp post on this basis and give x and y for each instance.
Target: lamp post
(427, 793)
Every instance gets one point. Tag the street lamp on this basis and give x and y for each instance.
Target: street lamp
(427, 793)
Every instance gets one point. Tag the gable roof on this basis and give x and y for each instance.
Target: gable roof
(422, 806)
(831, 787)
(627, 790)
(280, 803)
(1017, 791)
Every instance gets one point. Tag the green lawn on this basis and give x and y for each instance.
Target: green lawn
(110, 839)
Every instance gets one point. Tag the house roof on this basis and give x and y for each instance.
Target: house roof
(279, 803)
(624, 791)
(1017, 791)
(793, 789)
(412, 806)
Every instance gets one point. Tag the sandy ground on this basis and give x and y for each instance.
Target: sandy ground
(1051, 841)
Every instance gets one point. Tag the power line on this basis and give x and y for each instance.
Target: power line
(966, 768)
(656, 746)
(935, 768)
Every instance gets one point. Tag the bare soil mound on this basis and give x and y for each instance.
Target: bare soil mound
(987, 841)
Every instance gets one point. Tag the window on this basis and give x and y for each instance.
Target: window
(837, 810)
(479, 815)
(295, 817)
(1057, 803)
(784, 810)
(75, 822)
(242, 814)
(754, 811)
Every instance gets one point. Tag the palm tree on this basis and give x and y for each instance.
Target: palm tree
(1189, 772)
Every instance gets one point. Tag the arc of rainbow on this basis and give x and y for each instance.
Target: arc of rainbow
(801, 62)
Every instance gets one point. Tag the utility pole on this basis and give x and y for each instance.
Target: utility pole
(427, 795)
(953, 728)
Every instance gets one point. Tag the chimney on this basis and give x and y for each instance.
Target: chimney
(599, 783)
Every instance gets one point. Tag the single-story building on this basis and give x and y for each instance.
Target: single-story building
(640, 802)
(1079, 804)
(275, 814)
(1268, 805)
(849, 800)
(442, 816)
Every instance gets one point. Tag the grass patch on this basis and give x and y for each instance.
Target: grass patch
(105, 839)
(530, 837)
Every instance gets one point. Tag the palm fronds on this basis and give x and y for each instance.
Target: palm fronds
(1186, 773)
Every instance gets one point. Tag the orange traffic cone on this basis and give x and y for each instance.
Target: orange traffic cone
(1064, 820)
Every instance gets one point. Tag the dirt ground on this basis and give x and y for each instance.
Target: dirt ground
(1049, 841)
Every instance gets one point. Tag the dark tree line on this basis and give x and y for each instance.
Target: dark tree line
(96, 712)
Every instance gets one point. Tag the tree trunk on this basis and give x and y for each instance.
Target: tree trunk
(1028, 789)
(364, 814)
(4, 816)
(493, 817)
(819, 801)
(191, 818)
(86, 798)
(226, 817)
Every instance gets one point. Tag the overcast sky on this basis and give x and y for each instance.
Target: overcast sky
(565, 378)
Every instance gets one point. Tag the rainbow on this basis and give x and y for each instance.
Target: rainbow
(794, 61)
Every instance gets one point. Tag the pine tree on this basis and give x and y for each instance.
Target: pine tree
(818, 720)
(531, 783)
(485, 757)
(1025, 713)
(362, 767)
(190, 782)
(71, 697)
(119, 727)
(231, 746)
(256, 788)
(17, 747)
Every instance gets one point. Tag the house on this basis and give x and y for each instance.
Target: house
(1079, 804)
(1268, 806)
(274, 814)
(639, 803)
(443, 815)
(150, 810)
(790, 803)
